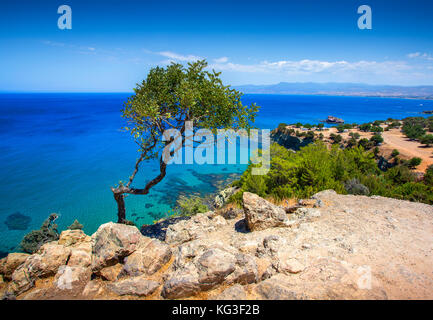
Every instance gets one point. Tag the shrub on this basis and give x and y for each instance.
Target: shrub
(353, 186)
(76, 225)
(190, 206)
(414, 162)
(395, 153)
(428, 176)
(36, 238)
(427, 139)
(376, 139)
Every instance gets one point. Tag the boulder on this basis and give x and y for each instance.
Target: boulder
(183, 283)
(72, 279)
(72, 237)
(236, 292)
(112, 242)
(136, 286)
(261, 214)
(215, 265)
(231, 213)
(307, 213)
(149, 257)
(274, 288)
(196, 227)
(44, 263)
(93, 288)
(9, 264)
(111, 273)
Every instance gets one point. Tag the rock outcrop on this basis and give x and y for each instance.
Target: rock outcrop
(328, 247)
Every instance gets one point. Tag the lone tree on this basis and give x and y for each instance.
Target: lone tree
(167, 99)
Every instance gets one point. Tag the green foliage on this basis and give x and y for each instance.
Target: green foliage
(365, 144)
(36, 238)
(395, 153)
(427, 139)
(282, 126)
(428, 176)
(353, 186)
(376, 139)
(365, 127)
(190, 206)
(336, 138)
(413, 127)
(76, 226)
(414, 162)
(315, 168)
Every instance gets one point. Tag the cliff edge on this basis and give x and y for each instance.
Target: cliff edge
(328, 247)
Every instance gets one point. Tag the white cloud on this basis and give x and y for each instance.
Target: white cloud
(424, 55)
(221, 60)
(178, 57)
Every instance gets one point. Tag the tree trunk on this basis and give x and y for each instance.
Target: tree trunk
(121, 211)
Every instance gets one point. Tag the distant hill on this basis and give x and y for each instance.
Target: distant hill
(341, 89)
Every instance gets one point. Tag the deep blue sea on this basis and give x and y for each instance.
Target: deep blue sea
(62, 152)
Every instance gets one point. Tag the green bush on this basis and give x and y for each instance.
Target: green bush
(36, 238)
(315, 167)
(190, 206)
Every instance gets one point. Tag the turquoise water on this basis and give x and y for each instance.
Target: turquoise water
(62, 152)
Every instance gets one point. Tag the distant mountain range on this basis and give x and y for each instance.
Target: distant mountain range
(341, 89)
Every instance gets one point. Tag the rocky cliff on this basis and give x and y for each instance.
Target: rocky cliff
(328, 247)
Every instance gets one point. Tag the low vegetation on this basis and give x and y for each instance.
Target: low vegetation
(351, 170)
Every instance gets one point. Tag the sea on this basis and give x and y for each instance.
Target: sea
(61, 152)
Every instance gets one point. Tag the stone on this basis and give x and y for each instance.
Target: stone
(112, 242)
(72, 278)
(183, 283)
(196, 227)
(307, 213)
(72, 237)
(149, 257)
(231, 213)
(324, 194)
(93, 288)
(136, 286)
(215, 265)
(111, 273)
(236, 292)
(9, 264)
(80, 257)
(246, 270)
(290, 265)
(274, 289)
(261, 214)
(222, 196)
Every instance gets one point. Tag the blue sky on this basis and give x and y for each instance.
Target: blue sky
(113, 44)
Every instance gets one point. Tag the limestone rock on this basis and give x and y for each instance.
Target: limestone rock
(194, 228)
(236, 292)
(111, 273)
(261, 214)
(112, 242)
(136, 286)
(274, 289)
(93, 288)
(290, 265)
(72, 237)
(215, 265)
(9, 264)
(223, 196)
(72, 278)
(149, 257)
(307, 213)
(183, 283)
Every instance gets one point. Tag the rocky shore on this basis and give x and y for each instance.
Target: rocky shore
(328, 247)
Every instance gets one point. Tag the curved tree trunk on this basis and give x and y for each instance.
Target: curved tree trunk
(121, 211)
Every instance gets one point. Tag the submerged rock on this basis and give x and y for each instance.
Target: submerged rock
(17, 221)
